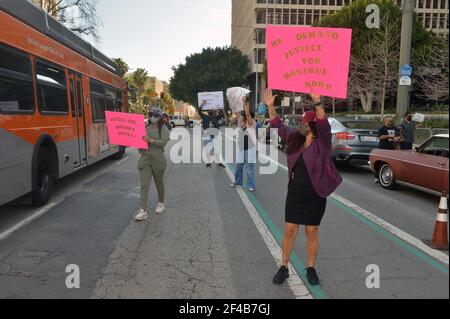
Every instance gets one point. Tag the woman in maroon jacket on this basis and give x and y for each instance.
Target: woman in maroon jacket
(312, 178)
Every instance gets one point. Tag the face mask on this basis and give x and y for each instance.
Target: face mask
(304, 129)
(154, 120)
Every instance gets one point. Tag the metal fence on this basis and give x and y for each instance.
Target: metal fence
(422, 134)
(437, 131)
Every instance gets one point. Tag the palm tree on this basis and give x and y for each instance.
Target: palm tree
(151, 94)
(140, 78)
(123, 66)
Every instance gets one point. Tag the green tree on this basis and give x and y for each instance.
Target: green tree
(375, 51)
(431, 79)
(214, 69)
(140, 78)
(136, 88)
(123, 66)
(168, 103)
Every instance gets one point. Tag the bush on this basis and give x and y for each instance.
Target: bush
(440, 108)
(436, 123)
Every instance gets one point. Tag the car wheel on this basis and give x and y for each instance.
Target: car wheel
(337, 163)
(43, 179)
(386, 177)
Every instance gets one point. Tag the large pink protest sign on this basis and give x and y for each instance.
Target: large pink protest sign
(126, 129)
(309, 60)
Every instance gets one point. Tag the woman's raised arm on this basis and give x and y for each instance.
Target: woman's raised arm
(275, 122)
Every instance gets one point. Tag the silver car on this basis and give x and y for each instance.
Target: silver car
(353, 139)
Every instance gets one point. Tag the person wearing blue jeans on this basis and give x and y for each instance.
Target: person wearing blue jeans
(247, 155)
(239, 175)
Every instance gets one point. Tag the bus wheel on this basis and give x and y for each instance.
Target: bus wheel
(43, 179)
(119, 154)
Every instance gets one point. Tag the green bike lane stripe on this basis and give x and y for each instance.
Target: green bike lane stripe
(299, 266)
(387, 234)
(397, 240)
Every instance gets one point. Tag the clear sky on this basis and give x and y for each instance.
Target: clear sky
(158, 34)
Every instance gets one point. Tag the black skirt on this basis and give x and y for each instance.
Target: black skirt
(303, 205)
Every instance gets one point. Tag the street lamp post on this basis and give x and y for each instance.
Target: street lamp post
(256, 39)
(403, 97)
(257, 70)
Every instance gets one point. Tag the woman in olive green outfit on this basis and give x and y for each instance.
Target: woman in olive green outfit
(153, 163)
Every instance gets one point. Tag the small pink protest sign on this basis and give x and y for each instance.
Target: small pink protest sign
(309, 60)
(126, 129)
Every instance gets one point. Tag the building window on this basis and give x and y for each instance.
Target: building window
(261, 17)
(309, 17)
(16, 82)
(442, 21)
(286, 16)
(51, 88)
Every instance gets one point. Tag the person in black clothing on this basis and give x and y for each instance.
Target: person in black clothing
(210, 120)
(408, 131)
(388, 135)
(166, 121)
(187, 122)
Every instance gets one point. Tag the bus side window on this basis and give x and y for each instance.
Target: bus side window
(16, 82)
(80, 99)
(98, 101)
(110, 99)
(51, 88)
(119, 102)
(72, 96)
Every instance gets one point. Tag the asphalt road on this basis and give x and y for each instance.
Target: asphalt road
(213, 241)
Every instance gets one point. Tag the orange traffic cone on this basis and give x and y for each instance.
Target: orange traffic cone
(440, 236)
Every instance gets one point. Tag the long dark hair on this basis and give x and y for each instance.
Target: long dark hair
(297, 140)
(160, 123)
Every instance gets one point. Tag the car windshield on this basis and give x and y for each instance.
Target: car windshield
(438, 143)
(361, 125)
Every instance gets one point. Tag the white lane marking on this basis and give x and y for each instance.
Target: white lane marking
(394, 230)
(438, 255)
(295, 283)
(274, 162)
(4, 235)
(122, 161)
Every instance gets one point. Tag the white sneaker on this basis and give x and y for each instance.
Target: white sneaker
(251, 190)
(233, 185)
(141, 215)
(160, 208)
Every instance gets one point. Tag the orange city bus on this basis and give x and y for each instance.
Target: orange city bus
(54, 90)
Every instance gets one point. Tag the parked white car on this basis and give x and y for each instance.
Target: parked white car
(178, 121)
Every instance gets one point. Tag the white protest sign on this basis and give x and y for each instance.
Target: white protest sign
(211, 100)
(286, 101)
(420, 118)
(235, 97)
